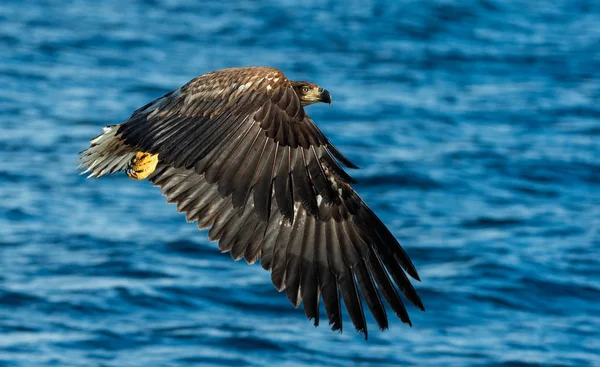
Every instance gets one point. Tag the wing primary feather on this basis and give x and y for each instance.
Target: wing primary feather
(294, 259)
(220, 131)
(244, 235)
(302, 186)
(363, 277)
(214, 168)
(391, 243)
(340, 157)
(236, 223)
(318, 177)
(243, 181)
(309, 284)
(329, 147)
(187, 203)
(221, 152)
(263, 187)
(179, 150)
(352, 302)
(400, 277)
(348, 251)
(186, 150)
(336, 249)
(209, 146)
(334, 167)
(181, 189)
(234, 165)
(261, 116)
(283, 131)
(218, 134)
(252, 252)
(196, 206)
(385, 286)
(327, 281)
(292, 134)
(267, 244)
(149, 138)
(221, 220)
(371, 295)
(280, 256)
(166, 145)
(283, 186)
(207, 215)
(161, 174)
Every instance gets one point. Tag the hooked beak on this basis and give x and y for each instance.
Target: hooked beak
(324, 96)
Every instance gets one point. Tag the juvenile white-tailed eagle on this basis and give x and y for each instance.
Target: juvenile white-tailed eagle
(235, 150)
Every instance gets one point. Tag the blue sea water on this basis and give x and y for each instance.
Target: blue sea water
(476, 124)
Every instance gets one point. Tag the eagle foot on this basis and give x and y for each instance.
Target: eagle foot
(142, 165)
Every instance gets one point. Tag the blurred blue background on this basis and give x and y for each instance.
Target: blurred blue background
(476, 124)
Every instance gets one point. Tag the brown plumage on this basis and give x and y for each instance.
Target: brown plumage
(238, 154)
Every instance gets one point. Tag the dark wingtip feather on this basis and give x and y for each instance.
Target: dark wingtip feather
(402, 257)
(351, 165)
(417, 302)
(370, 295)
(413, 273)
(340, 157)
(394, 247)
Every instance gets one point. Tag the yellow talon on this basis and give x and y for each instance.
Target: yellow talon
(142, 165)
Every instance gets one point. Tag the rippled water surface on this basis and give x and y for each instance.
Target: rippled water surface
(476, 124)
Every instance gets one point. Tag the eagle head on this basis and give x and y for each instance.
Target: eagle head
(310, 93)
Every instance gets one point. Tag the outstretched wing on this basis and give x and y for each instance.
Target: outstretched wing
(238, 154)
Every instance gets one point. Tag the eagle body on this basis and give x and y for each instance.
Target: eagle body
(236, 152)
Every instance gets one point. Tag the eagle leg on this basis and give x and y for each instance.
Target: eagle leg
(142, 165)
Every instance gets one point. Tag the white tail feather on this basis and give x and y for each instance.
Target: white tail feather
(107, 154)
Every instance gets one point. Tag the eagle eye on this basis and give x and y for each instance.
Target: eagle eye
(305, 89)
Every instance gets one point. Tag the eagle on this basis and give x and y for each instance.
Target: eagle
(236, 151)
